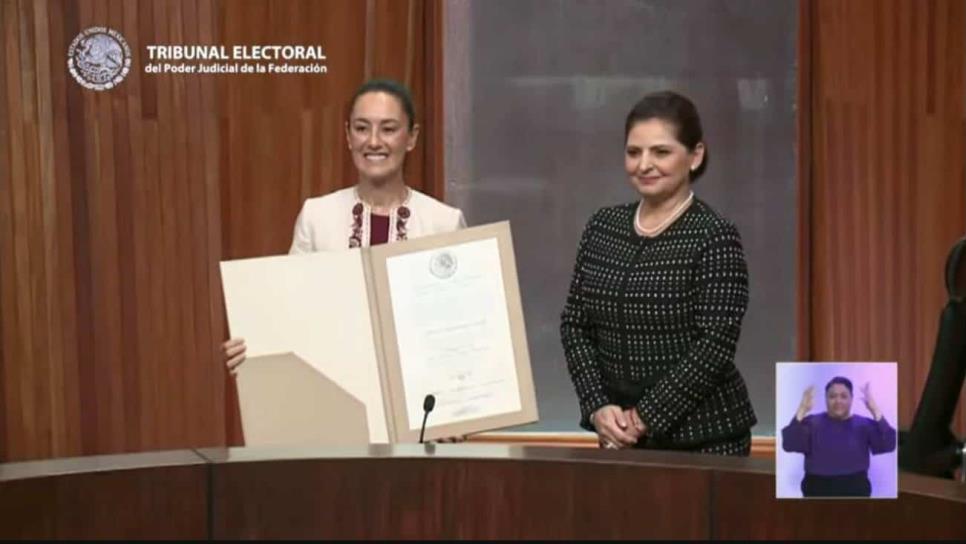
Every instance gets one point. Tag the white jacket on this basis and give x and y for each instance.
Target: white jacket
(326, 222)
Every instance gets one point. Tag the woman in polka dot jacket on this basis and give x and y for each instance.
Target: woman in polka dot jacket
(656, 301)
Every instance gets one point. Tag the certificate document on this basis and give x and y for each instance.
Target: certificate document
(450, 324)
(387, 325)
(453, 332)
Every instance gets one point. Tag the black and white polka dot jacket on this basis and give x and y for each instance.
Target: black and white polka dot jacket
(665, 313)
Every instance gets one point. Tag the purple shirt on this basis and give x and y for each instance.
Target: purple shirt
(378, 229)
(834, 447)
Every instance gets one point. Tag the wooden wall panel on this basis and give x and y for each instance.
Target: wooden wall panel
(886, 186)
(108, 344)
(116, 206)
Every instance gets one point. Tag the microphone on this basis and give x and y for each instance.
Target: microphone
(428, 404)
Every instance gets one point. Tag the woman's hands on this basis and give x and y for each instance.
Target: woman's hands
(234, 352)
(618, 428)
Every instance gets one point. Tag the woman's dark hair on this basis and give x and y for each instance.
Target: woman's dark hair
(676, 110)
(839, 380)
(391, 87)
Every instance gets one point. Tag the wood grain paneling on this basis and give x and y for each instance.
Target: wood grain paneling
(746, 509)
(762, 447)
(463, 491)
(885, 189)
(117, 206)
(136, 496)
(456, 499)
(486, 492)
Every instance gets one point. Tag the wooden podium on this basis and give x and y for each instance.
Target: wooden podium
(458, 491)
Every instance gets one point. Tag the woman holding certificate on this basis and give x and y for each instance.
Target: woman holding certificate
(379, 208)
(656, 301)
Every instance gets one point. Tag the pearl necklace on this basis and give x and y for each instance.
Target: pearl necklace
(674, 215)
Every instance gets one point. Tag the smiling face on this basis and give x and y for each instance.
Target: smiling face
(379, 136)
(838, 401)
(658, 166)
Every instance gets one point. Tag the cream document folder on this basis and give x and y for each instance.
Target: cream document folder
(388, 325)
